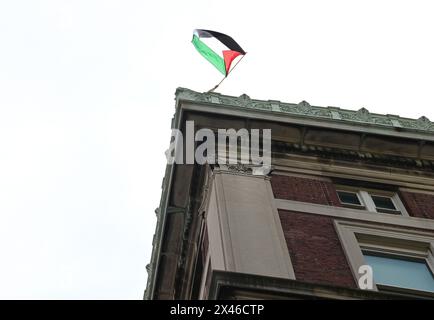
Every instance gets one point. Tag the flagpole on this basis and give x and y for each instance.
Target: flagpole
(217, 85)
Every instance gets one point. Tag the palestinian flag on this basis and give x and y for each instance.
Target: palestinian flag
(222, 63)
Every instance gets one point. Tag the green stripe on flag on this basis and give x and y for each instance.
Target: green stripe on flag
(209, 54)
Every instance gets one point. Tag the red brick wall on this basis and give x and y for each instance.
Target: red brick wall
(315, 249)
(306, 190)
(418, 204)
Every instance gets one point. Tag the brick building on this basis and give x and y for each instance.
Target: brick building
(346, 189)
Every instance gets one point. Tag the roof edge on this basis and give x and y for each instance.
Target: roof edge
(361, 117)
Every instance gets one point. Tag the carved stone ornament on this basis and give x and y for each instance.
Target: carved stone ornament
(362, 115)
(244, 100)
(304, 107)
(423, 123)
(246, 169)
(239, 168)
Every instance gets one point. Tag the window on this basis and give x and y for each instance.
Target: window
(400, 272)
(349, 198)
(402, 259)
(371, 200)
(384, 204)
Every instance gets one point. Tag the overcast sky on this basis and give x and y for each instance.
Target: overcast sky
(87, 95)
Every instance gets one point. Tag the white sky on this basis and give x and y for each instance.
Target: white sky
(86, 99)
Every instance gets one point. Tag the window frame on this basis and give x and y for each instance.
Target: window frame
(398, 208)
(368, 204)
(356, 237)
(428, 259)
(351, 205)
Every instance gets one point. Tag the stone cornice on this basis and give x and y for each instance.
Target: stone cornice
(304, 109)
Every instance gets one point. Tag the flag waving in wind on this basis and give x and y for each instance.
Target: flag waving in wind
(221, 62)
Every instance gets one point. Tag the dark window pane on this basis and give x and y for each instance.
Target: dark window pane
(349, 197)
(383, 202)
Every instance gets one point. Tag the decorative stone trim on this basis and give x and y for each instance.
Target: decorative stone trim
(305, 109)
(244, 169)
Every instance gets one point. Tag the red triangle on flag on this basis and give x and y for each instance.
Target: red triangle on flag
(229, 56)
